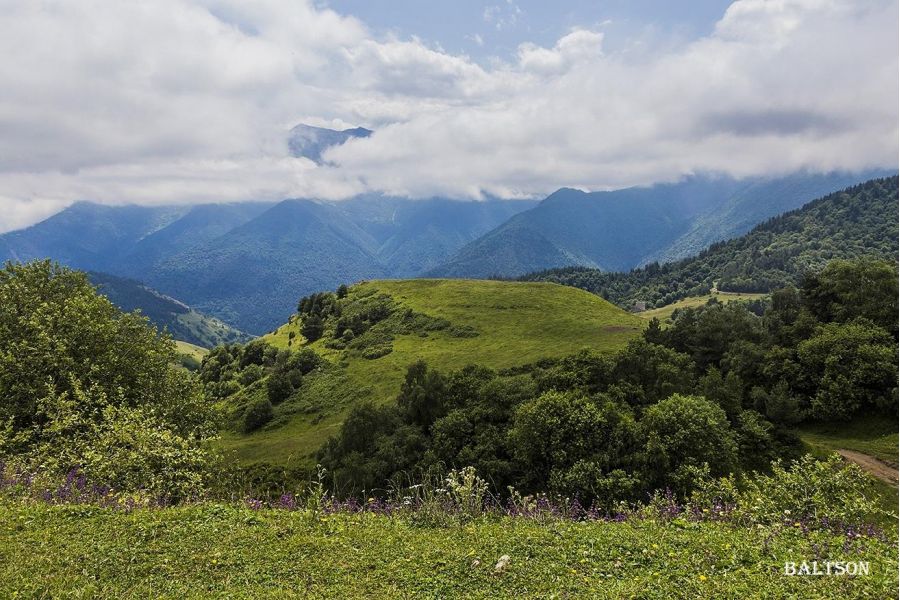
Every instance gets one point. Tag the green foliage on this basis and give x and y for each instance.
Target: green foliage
(278, 388)
(688, 431)
(577, 446)
(845, 290)
(313, 327)
(848, 368)
(810, 488)
(87, 386)
(860, 221)
(258, 414)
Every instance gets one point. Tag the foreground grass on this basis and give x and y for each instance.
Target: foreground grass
(517, 323)
(214, 551)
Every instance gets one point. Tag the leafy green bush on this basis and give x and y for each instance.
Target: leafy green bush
(278, 388)
(86, 386)
(258, 414)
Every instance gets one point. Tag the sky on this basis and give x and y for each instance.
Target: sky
(187, 101)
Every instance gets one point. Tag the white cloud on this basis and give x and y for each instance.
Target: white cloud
(190, 100)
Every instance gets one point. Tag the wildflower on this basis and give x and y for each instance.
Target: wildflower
(502, 564)
(703, 578)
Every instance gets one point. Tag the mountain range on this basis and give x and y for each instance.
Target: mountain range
(623, 229)
(247, 264)
(855, 223)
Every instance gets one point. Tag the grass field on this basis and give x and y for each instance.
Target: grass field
(664, 313)
(191, 350)
(517, 323)
(223, 551)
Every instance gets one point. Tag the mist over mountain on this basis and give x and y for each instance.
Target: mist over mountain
(309, 142)
(248, 263)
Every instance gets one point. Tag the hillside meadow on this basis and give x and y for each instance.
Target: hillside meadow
(516, 324)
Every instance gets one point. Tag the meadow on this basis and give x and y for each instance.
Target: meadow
(517, 324)
(224, 550)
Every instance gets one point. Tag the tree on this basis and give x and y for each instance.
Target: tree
(258, 414)
(421, 398)
(278, 388)
(76, 373)
(658, 371)
(687, 431)
(849, 368)
(845, 290)
(572, 442)
(313, 327)
(726, 391)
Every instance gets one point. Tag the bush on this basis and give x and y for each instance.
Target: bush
(313, 327)
(86, 386)
(278, 388)
(688, 431)
(258, 414)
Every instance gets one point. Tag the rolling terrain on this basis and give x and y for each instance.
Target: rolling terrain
(623, 229)
(181, 321)
(860, 221)
(496, 324)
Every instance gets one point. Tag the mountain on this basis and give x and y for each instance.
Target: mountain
(254, 274)
(448, 323)
(309, 142)
(622, 229)
(181, 321)
(860, 221)
(86, 235)
(248, 263)
(122, 239)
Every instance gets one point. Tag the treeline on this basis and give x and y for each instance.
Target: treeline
(857, 222)
(716, 392)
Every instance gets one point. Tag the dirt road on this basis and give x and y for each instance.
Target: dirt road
(871, 464)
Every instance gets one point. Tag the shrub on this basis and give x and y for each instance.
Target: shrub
(87, 386)
(258, 414)
(313, 327)
(688, 430)
(278, 388)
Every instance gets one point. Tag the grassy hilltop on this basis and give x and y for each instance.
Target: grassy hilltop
(491, 323)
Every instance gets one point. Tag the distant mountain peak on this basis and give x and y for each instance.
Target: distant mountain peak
(310, 142)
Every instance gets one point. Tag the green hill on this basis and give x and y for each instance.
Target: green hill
(856, 222)
(448, 323)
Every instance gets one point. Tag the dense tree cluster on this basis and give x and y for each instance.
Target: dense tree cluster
(83, 385)
(277, 374)
(714, 393)
(858, 222)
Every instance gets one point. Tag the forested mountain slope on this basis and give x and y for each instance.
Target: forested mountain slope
(856, 222)
(624, 229)
(180, 320)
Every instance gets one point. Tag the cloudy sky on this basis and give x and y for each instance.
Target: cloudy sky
(176, 101)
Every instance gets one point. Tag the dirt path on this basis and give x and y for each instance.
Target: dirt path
(871, 464)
